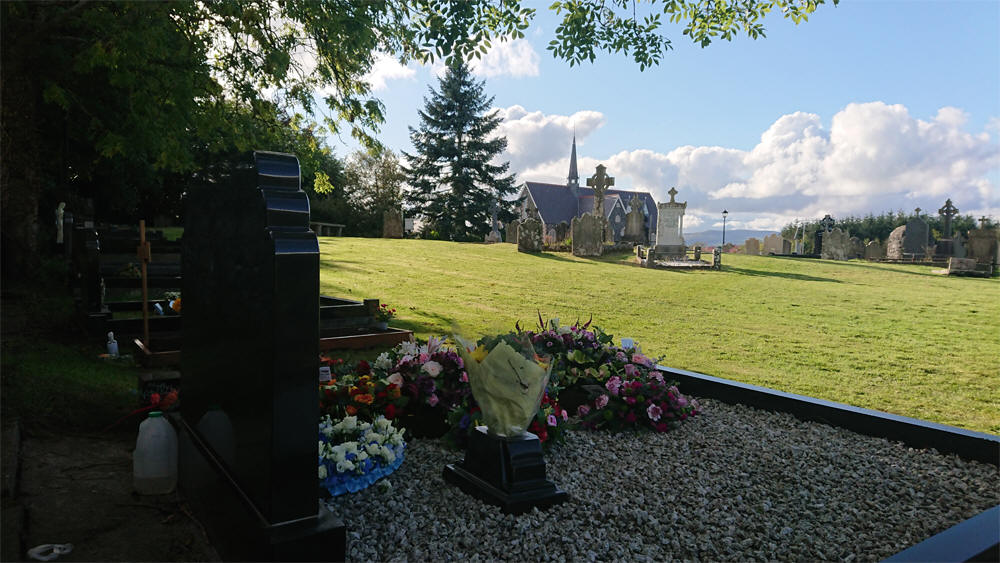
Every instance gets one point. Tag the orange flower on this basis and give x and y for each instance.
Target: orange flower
(364, 398)
(351, 410)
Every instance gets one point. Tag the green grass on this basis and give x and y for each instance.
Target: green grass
(51, 379)
(895, 338)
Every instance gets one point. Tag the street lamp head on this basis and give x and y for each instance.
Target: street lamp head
(724, 213)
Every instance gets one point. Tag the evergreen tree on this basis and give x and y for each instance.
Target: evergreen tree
(453, 184)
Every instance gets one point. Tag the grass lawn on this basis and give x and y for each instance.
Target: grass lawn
(894, 338)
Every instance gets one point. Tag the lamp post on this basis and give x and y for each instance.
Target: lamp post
(724, 214)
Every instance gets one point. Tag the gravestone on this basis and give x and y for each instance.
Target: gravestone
(529, 236)
(915, 238)
(635, 222)
(786, 246)
(836, 245)
(251, 346)
(818, 242)
(961, 265)
(874, 251)
(894, 244)
(562, 231)
(588, 235)
(600, 182)
(958, 245)
(752, 247)
(772, 244)
(947, 212)
(392, 223)
(494, 234)
(982, 245)
(512, 231)
(857, 248)
(670, 229)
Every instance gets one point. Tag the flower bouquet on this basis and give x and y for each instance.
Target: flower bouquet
(382, 316)
(645, 401)
(354, 391)
(353, 455)
(432, 377)
(503, 463)
(508, 381)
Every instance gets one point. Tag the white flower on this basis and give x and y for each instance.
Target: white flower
(407, 348)
(383, 362)
(432, 368)
(396, 379)
(362, 456)
(563, 330)
(387, 455)
(382, 424)
(322, 472)
(396, 439)
(373, 449)
(344, 466)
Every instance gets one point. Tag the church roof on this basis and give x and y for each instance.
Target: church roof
(556, 203)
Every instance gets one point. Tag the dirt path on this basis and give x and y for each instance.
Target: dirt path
(78, 489)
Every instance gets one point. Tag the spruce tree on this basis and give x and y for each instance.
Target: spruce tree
(453, 183)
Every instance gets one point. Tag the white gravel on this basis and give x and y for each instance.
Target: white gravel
(734, 483)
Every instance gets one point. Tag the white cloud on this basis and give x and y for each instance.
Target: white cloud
(387, 68)
(535, 139)
(507, 58)
(874, 157)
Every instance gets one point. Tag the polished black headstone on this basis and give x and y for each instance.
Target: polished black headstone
(507, 472)
(251, 338)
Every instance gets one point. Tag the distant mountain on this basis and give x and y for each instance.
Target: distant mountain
(735, 236)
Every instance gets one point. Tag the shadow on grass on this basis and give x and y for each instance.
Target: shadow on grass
(549, 256)
(927, 268)
(799, 277)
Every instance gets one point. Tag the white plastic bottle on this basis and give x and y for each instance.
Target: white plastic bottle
(154, 462)
(112, 345)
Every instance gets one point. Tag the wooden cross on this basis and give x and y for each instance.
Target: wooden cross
(947, 212)
(600, 182)
(145, 256)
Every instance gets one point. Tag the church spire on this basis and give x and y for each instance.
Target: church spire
(573, 180)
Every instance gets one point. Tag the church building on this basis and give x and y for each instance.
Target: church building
(556, 204)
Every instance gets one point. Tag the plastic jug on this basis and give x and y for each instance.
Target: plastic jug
(154, 462)
(112, 345)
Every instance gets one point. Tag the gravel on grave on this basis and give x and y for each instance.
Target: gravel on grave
(733, 483)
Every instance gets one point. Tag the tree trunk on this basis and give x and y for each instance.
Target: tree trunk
(20, 175)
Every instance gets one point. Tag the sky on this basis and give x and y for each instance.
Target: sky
(870, 106)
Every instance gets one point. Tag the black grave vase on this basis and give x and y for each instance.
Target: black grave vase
(508, 472)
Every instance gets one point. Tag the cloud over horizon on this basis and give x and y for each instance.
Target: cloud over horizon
(874, 157)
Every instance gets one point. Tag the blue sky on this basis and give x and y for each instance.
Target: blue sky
(868, 106)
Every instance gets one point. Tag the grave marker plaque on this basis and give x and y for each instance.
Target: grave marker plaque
(251, 355)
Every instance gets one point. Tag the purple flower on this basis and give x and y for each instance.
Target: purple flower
(614, 384)
(620, 356)
(654, 412)
(601, 401)
(552, 420)
(642, 360)
(432, 400)
(631, 370)
(583, 410)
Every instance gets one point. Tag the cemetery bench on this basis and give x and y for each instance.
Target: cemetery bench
(326, 229)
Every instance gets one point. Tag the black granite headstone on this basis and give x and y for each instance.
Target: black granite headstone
(251, 339)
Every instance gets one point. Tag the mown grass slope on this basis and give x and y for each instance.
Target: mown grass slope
(895, 338)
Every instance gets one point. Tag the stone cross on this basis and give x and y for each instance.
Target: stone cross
(600, 182)
(917, 210)
(827, 223)
(982, 222)
(947, 212)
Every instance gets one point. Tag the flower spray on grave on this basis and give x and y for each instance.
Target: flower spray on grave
(432, 377)
(503, 462)
(353, 390)
(355, 454)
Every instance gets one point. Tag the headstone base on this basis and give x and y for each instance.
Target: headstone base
(506, 472)
(671, 252)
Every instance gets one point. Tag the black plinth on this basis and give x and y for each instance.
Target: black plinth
(507, 472)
